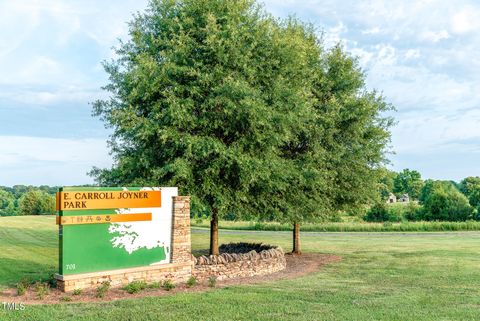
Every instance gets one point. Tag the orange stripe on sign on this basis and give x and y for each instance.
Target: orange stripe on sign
(96, 200)
(102, 219)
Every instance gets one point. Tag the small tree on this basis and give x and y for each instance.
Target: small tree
(35, 202)
(385, 183)
(7, 204)
(378, 213)
(446, 203)
(409, 182)
(470, 187)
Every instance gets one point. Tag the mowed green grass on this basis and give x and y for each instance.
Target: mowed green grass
(348, 226)
(381, 277)
(28, 248)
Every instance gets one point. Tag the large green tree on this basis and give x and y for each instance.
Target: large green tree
(245, 113)
(335, 160)
(202, 98)
(352, 135)
(409, 182)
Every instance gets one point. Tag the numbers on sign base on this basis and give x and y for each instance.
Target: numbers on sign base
(70, 266)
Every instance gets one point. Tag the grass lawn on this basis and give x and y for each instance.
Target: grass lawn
(381, 277)
(28, 248)
(346, 226)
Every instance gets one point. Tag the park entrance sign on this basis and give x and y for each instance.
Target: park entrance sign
(112, 228)
(109, 228)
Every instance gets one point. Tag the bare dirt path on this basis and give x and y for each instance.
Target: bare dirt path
(297, 266)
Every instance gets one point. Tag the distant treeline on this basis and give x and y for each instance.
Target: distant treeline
(27, 200)
(430, 200)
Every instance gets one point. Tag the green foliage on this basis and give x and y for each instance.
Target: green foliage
(413, 212)
(42, 289)
(199, 102)
(381, 212)
(192, 281)
(154, 285)
(445, 203)
(65, 299)
(247, 114)
(385, 183)
(77, 292)
(21, 288)
(50, 280)
(102, 289)
(212, 281)
(135, 287)
(470, 187)
(431, 184)
(403, 226)
(35, 202)
(355, 134)
(40, 200)
(168, 285)
(408, 182)
(7, 203)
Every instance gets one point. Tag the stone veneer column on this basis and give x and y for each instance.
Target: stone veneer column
(181, 242)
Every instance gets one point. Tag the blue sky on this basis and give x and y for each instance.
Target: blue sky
(422, 55)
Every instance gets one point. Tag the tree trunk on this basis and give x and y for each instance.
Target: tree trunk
(296, 239)
(214, 233)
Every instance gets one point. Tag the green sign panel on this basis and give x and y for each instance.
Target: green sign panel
(106, 228)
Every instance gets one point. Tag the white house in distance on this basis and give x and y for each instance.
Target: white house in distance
(402, 199)
(392, 198)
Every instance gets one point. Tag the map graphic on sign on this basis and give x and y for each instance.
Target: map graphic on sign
(105, 228)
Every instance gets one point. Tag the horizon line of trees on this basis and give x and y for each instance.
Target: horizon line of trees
(27, 200)
(432, 200)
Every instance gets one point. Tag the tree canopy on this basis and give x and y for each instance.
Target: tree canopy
(409, 182)
(244, 112)
(36, 202)
(445, 203)
(470, 187)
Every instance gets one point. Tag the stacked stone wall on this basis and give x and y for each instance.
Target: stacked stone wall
(234, 265)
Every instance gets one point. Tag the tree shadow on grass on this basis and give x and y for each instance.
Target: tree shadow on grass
(13, 271)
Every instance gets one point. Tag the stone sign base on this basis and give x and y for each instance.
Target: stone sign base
(176, 272)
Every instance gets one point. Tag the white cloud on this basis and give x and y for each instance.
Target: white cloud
(435, 36)
(333, 35)
(371, 31)
(58, 45)
(53, 161)
(18, 149)
(412, 54)
(422, 54)
(44, 97)
(466, 20)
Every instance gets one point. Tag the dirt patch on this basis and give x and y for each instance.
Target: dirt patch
(297, 265)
